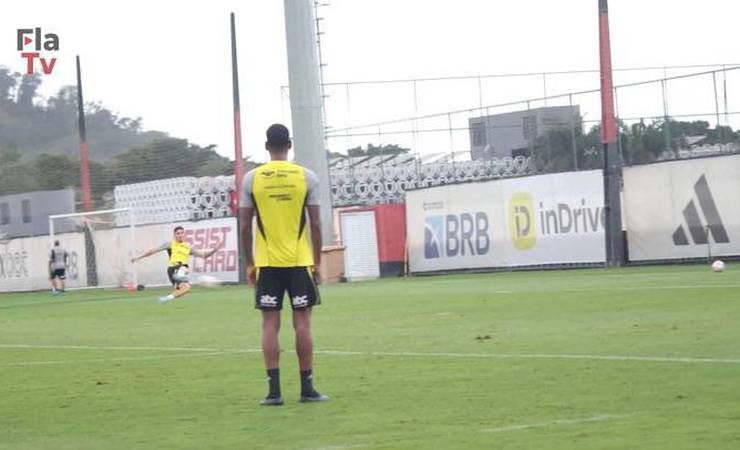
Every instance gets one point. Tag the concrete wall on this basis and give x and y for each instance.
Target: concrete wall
(504, 133)
(28, 214)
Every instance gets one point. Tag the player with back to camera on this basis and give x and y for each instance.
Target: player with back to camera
(278, 194)
(179, 252)
(58, 259)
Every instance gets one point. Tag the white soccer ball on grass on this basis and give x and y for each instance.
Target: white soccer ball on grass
(718, 266)
(181, 275)
(208, 281)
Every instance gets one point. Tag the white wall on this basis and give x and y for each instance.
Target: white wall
(545, 219)
(24, 262)
(668, 206)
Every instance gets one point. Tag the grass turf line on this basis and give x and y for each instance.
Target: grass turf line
(134, 398)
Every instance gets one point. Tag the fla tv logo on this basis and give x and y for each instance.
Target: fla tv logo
(522, 223)
(30, 44)
(455, 235)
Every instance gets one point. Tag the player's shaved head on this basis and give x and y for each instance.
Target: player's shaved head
(278, 138)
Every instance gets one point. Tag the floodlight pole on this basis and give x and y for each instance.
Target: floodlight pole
(238, 159)
(306, 102)
(612, 159)
(84, 152)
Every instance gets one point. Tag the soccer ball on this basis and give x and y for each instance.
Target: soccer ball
(718, 266)
(181, 275)
(208, 281)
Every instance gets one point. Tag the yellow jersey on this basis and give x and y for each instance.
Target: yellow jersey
(179, 253)
(279, 192)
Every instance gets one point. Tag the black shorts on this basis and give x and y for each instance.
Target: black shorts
(58, 273)
(171, 273)
(272, 282)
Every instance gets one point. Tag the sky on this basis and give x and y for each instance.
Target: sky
(169, 61)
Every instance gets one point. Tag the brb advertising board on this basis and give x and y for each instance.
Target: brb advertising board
(683, 209)
(452, 227)
(546, 219)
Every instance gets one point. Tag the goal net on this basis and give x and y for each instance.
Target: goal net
(99, 245)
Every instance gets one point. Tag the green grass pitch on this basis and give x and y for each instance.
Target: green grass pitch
(637, 358)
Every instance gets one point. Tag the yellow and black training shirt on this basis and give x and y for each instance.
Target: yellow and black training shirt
(179, 252)
(279, 192)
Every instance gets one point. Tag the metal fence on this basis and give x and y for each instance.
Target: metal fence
(386, 137)
(663, 113)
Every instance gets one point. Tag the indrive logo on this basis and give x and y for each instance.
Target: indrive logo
(697, 229)
(522, 221)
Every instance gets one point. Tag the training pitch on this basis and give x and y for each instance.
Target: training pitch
(638, 358)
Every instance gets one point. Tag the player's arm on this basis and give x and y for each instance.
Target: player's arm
(312, 206)
(246, 215)
(208, 253)
(161, 248)
(316, 241)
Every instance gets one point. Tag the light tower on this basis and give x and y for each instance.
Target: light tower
(612, 158)
(306, 102)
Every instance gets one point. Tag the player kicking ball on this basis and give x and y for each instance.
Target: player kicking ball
(179, 252)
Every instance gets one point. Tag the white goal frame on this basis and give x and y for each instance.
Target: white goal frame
(132, 234)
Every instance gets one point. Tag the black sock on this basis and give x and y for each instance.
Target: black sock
(273, 378)
(307, 382)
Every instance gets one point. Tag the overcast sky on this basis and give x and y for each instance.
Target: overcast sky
(169, 61)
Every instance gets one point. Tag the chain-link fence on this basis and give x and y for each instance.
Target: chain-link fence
(384, 138)
(663, 113)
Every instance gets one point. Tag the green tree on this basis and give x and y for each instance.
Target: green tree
(649, 142)
(9, 156)
(37, 125)
(644, 142)
(8, 82)
(554, 150)
(372, 150)
(56, 172)
(15, 176)
(214, 167)
(27, 91)
(169, 158)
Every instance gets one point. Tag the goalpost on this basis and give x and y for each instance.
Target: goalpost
(100, 245)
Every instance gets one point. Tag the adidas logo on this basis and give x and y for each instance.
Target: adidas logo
(697, 229)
